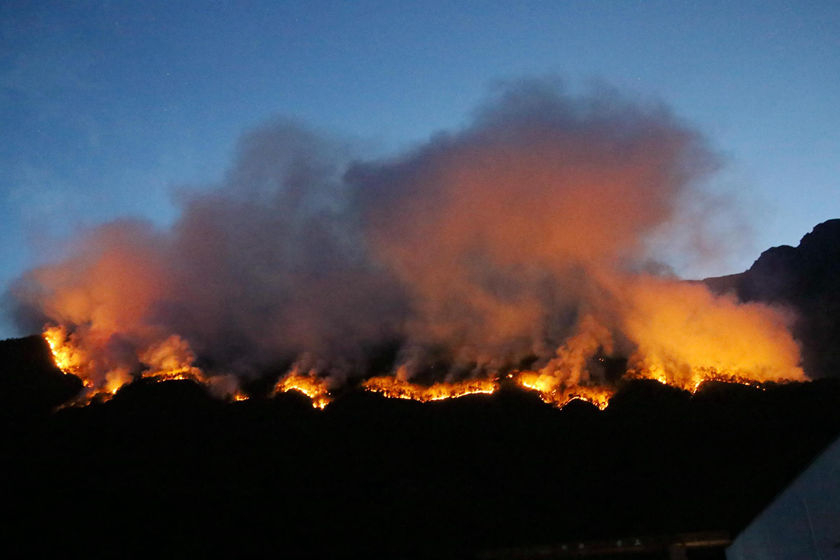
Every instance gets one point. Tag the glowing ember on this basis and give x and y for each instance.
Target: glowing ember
(395, 388)
(313, 387)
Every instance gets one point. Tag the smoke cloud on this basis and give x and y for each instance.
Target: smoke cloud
(520, 239)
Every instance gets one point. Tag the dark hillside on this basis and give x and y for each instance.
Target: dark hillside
(164, 467)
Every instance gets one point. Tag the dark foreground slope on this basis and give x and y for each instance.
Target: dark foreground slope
(163, 469)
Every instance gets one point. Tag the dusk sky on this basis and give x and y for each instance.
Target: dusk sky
(108, 109)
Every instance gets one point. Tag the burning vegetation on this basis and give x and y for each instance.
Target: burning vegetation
(551, 386)
(553, 393)
(517, 248)
(396, 388)
(310, 385)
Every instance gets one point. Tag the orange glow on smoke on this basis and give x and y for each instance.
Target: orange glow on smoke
(71, 359)
(516, 240)
(313, 387)
(685, 336)
(395, 388)
(680, 334)
(171, 360)
(168, 360)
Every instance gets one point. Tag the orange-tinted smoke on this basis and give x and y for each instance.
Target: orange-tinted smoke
(514, 244)
(684, 334)
(499, 233)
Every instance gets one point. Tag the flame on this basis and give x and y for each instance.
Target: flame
(64, 353)
(553, 392)
(314, 387)
(482, 250)
(171, 360)
(696, 378)
(395, 388)
(168, 360)
(685, 335)
(564, 378)
(71, 359)
(178, 374)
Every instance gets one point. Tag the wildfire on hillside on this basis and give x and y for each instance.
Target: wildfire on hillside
(552, 393)
(550, 386)
(395, 388)
(314, 387)
(71, 360)
(533, 241)
(169, 360)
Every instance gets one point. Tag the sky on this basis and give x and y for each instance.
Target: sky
(110, 109)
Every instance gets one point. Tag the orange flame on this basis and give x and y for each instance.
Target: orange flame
(171, 360)
(168, 360)
(313, 387)
(71, 359)
(64, 353)
(686, 335)
(395, 388)
(556, 394)
(697, 378)
(563, 379)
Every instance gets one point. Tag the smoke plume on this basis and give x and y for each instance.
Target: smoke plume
(520, 240)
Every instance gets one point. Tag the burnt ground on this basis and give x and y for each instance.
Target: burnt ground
(164, 469)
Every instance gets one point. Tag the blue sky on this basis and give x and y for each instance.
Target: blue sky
(106, 107)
